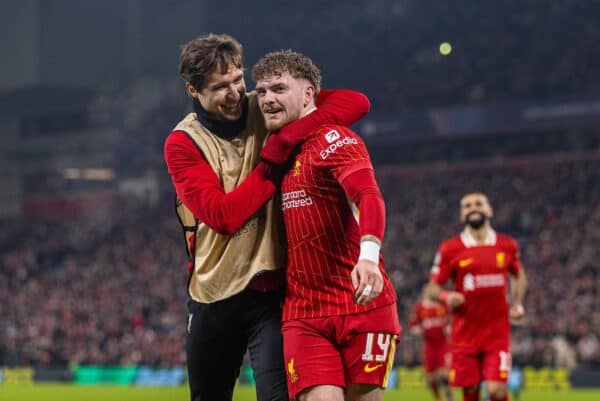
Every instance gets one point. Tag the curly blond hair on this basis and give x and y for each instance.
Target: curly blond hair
(297, 64)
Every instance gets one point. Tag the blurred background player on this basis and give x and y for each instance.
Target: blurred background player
(340, 319)
(431, 319)
(479, 261)
(234, 243)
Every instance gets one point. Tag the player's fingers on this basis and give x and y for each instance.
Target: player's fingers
(360, 288)
(365, 290)
(377, 286)
(355, 278)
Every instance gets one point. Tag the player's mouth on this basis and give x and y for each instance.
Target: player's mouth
(475, 219)
(273, 113)
(234, 109)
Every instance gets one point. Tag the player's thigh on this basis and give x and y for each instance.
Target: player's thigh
(442, 374)
(214, 353)
(430, 378)
(265, 346)
(321, 393)
(368, 358)
(465, 367)
(311, 358)
(497, 362)
(496, 390)
(364, 392)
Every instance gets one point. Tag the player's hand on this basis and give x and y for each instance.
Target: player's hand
(455, 299)
(516, 313)
(367, 281)
(279, 147)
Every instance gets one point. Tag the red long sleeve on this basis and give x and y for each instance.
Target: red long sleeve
(362, 189)
(334, 106)
(202, 192)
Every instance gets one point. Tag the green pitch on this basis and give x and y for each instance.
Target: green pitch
(69, 392)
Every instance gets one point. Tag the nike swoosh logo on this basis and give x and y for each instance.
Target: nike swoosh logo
(465, 262)
(369, 369)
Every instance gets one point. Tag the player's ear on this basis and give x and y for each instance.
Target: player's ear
(309, 94)
(191, 90)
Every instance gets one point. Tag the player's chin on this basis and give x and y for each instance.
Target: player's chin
(274, 125)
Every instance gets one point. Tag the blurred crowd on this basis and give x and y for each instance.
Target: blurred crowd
(93, 291)
(111, 289)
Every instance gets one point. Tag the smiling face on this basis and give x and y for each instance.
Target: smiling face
(283, 99)
(222, 93)
(475, 210)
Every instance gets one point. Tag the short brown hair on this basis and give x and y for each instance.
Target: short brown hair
(297, 64)
(203, 55)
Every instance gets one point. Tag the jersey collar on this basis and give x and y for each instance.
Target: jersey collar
(469, 242)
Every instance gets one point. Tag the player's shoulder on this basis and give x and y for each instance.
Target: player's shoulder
(329, 141)
(452, 244)
(331, 133)
(506, 241)
(177, 138)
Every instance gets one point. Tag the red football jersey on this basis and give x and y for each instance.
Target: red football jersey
(433, 318)
(480, 273)
(322, 228)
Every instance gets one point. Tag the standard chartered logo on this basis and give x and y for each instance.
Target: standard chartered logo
(331, 149)
(294, 199)
(434, 322)
(471, 282)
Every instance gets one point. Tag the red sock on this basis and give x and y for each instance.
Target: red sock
(505, 398)
(470, 394)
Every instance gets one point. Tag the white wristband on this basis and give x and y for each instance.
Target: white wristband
(369, 250)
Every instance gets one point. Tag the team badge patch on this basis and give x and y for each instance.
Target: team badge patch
(297, 166)
(500, 260)
(293, 376)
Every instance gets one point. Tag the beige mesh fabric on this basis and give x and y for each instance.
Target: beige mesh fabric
(225, 264)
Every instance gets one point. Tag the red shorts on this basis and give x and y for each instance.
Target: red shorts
(340, 350)
(472, 365)
(435, 357)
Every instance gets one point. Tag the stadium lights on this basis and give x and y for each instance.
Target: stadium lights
(445, 48)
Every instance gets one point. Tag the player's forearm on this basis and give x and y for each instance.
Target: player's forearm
(361, 188)
(227, 212)
(519, 287)
(339, 107)
(343, 106)
(433, 291)
(202, 192)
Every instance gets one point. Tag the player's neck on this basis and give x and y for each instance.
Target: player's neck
(308, 109)
(480, 234)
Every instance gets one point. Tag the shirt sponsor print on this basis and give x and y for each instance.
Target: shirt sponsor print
(471, 282)
(293, 199)
(340, 143)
